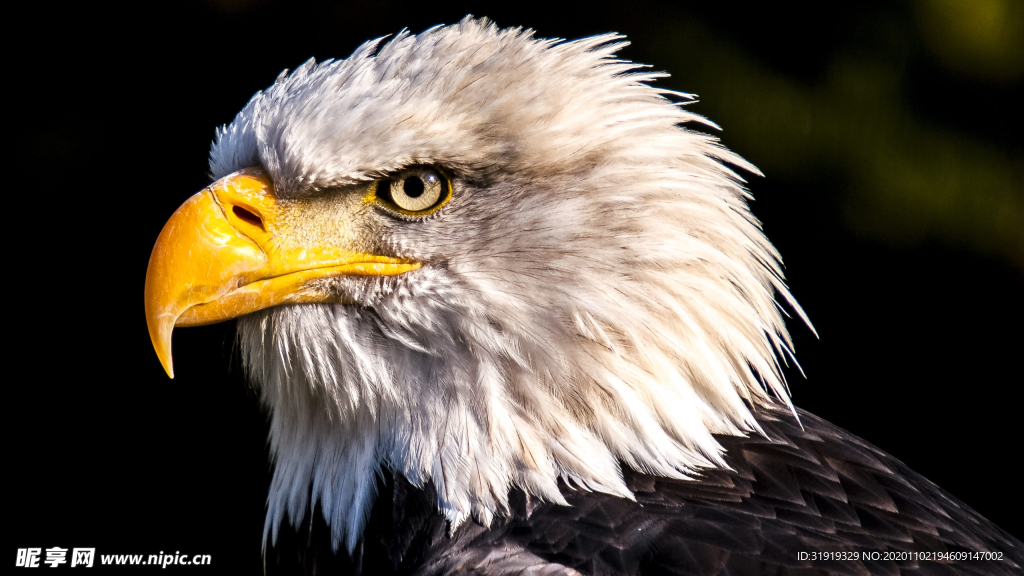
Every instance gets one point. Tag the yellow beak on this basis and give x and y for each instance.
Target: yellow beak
(220, 257)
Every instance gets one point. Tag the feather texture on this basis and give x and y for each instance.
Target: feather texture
(801, 487)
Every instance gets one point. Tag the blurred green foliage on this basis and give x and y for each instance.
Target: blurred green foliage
(983, 38)
(908, 179)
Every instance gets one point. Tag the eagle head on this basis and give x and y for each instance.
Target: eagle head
(483, 261)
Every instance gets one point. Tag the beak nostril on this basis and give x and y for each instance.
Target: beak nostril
(247, 216)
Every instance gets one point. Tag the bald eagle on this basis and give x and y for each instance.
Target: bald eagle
(510, 314)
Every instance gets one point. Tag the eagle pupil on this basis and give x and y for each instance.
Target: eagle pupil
(413, 187)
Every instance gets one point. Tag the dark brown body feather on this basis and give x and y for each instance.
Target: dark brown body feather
(812, 489)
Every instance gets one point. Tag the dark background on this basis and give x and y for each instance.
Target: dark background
(889, 134)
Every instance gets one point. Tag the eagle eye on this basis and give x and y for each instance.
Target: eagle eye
(415, 191)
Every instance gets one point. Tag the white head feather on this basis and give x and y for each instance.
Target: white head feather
(596, 290)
